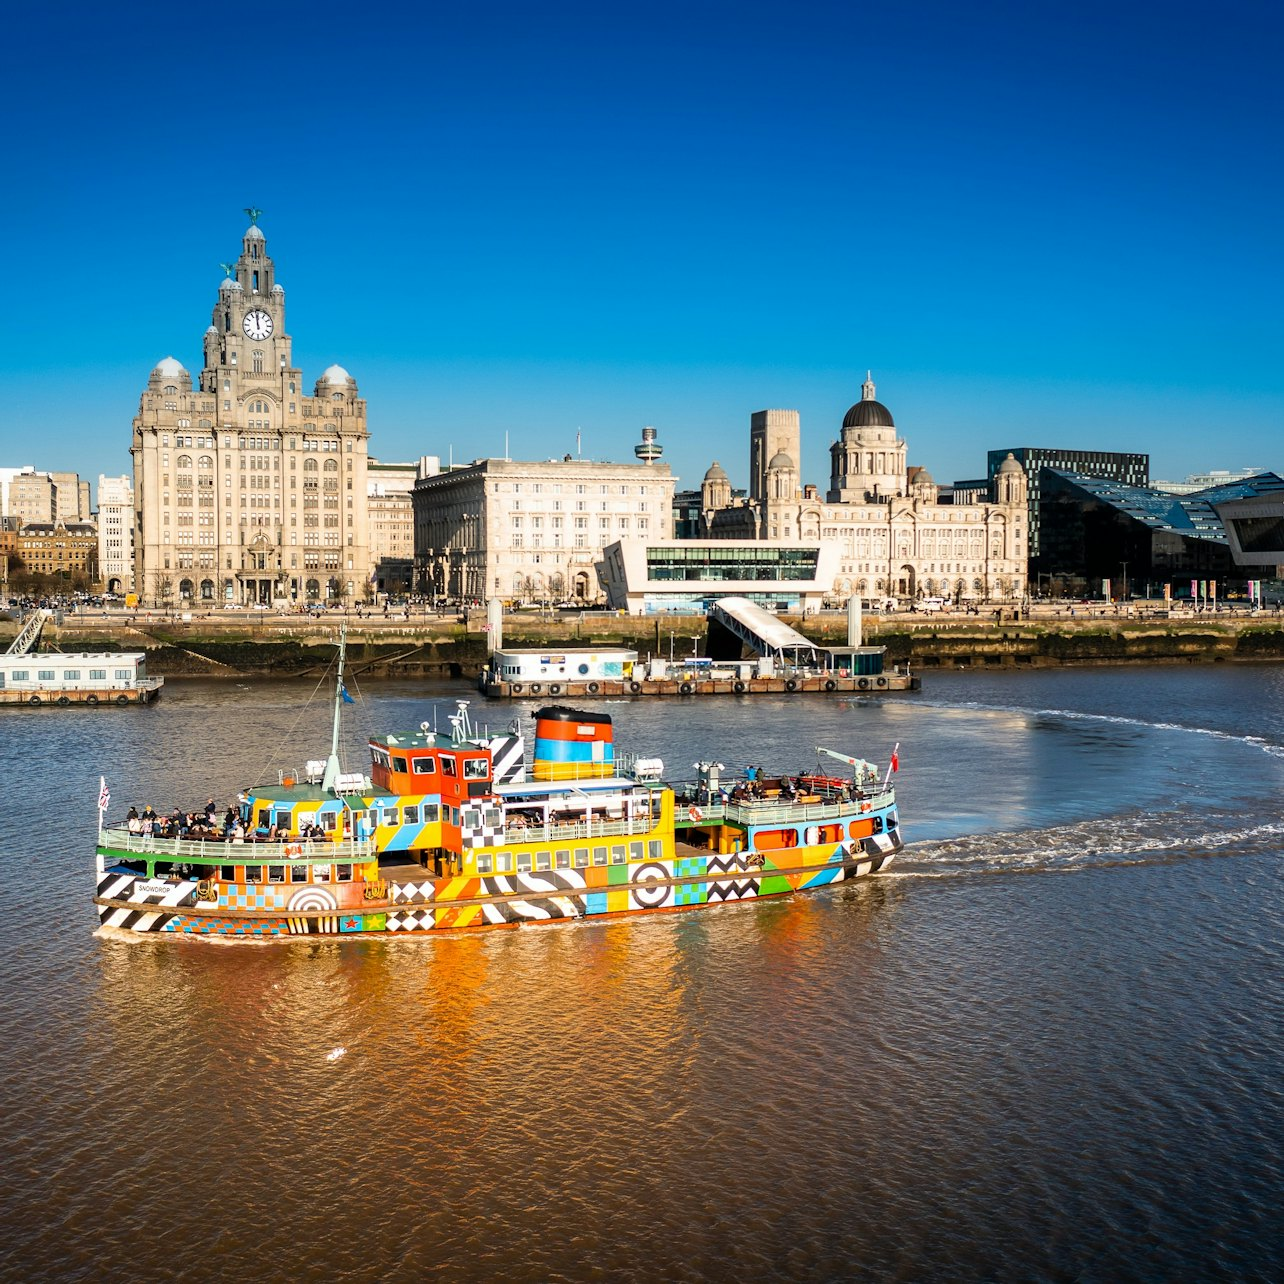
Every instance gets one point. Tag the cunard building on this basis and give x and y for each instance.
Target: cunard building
(246, 488)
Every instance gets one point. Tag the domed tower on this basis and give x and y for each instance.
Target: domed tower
(867, 462)
(921, 486)
(782, 477)
(715, 492)
(1010, 484)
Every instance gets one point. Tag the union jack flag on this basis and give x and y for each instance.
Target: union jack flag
(104, 795)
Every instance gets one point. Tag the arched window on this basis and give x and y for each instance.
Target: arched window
(205, 462)
(332, 465)
(207, 590)
(184, 461)
(309, 465)
(313, 589)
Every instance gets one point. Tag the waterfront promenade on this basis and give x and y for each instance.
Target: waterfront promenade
(427, 644)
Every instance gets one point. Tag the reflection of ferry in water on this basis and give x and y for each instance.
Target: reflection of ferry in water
(455, 831)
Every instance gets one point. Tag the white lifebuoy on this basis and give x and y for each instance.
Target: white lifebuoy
(694, 813)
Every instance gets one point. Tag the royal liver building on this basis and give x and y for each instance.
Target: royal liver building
(246, 489)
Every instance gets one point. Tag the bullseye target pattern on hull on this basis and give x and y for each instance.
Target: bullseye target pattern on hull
(656, 892)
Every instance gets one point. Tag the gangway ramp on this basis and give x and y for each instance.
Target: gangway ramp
(763, 633)
(30, 632)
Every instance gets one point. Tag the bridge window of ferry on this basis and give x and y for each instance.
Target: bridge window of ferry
(543, 860)
(563, 860)
(447, 765)
(523, 862)
(476, 768)
(398, 763)
(581, 858)
(425, 766)
(483, 864)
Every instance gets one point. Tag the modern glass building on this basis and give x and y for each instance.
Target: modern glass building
(1098, 528)
(645, 577)
(1128, 468)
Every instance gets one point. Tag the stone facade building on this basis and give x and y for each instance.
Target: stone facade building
(33, 496)
(116, 533)
(390, 504)
(895, 537)
(534, 531)
(246, 488)
(63, 550)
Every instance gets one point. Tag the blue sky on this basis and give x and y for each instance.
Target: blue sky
(1037, 224)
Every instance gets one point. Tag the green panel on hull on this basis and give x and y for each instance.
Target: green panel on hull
(774, 885)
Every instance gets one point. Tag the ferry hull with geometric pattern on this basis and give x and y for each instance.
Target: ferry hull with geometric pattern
(460, 832)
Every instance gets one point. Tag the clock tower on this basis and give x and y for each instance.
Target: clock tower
(248, 491)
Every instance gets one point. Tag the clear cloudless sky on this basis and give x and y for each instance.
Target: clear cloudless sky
(1044, 224)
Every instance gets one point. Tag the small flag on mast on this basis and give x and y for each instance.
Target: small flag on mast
(347, 699)
(104, 796)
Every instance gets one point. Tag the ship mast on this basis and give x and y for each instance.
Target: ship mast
(332, 762)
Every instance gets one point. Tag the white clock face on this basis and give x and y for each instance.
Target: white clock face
(257, 324)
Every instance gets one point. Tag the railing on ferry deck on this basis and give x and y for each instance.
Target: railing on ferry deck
(559, 831)
(770, 811)
(213, 851)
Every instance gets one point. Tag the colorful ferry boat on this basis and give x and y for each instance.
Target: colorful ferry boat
(457, 831)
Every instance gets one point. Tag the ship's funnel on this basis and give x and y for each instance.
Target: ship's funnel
(570, 745)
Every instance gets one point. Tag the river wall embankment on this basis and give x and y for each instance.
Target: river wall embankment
(454, 648)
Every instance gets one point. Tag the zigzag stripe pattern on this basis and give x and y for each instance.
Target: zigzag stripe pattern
(733, 864)
(733, 889)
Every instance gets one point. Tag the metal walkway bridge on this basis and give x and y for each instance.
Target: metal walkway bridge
(30, 632)
(763, 633)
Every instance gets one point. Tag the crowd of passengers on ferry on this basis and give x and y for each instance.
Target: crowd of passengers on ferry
(205, 825)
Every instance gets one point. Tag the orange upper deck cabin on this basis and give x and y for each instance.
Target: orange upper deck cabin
(423, 762)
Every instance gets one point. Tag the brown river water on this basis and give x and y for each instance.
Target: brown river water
(1049, 1044)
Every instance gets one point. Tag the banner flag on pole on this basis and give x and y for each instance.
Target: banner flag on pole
(894, 765)
(104, 796)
